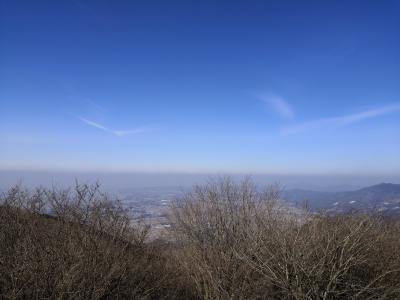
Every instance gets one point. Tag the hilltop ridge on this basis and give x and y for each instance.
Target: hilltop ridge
(383, 197)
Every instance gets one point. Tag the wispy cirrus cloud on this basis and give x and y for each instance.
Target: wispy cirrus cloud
(114, 132)
(278, 103)
(341, 121)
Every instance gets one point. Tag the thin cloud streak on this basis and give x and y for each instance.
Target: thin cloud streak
(342, 120)
(280, 105)
(119, 133)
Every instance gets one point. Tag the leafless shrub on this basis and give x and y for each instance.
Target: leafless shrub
(227, 241)
(239, 244)
(76, 244)
(215, 222)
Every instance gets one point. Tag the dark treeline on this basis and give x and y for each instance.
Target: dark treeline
(227, 241)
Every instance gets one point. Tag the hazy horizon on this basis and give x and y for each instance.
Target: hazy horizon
(119, 181)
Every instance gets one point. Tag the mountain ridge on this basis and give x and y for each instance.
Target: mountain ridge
(382, 197)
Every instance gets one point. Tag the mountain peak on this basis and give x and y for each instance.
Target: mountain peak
(383, 187)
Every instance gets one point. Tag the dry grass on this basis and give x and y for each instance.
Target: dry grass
(230, 241)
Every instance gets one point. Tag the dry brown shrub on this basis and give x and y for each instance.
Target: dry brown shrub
(228, 241)
(213, 224)
(238, 243)
(77, 244)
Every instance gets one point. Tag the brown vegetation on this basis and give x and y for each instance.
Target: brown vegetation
(77, 245)
(229, 241)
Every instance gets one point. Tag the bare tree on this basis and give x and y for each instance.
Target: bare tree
(243, 244)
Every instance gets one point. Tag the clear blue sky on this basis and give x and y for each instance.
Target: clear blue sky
(302, 87)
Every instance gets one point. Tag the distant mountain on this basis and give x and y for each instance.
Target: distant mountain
(384, 197)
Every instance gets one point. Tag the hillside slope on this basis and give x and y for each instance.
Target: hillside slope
(384, 197)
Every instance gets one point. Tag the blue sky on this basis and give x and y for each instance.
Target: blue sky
(290, 87)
